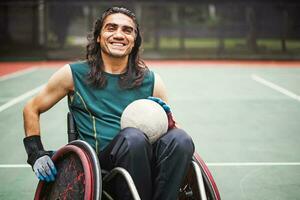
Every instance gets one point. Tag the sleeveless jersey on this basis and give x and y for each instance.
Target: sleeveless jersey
(97, 112)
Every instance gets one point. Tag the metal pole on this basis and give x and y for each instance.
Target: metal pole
(41, 23)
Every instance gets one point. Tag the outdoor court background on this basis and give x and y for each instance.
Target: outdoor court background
(243, 116)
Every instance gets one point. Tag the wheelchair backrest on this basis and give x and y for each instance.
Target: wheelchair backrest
(72, 131)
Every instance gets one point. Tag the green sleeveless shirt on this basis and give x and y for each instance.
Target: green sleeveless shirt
(97, 112)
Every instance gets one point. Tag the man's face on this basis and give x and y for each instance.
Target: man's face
(117, 35)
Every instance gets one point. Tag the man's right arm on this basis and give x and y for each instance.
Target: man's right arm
(58, 86)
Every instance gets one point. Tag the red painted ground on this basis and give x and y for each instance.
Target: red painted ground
(11, 67)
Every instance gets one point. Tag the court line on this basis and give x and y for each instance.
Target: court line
(275, 87)
(15, 166)
(20, 98)
(17, 73)
(221, 164)
(249, 164)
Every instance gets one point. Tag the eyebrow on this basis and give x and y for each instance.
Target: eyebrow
(116, 25)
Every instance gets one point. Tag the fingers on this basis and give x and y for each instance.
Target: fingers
(45, 169)
(39, 175)
(52, 167)
(43, 175)
(156, 99)
(165, 106)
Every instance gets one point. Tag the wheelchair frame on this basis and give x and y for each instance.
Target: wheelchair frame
(197, 185)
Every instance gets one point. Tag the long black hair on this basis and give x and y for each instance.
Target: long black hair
(136, 68)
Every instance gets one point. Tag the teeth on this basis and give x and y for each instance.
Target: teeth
(117, 44)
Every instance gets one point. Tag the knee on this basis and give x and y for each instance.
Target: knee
(183, 142)
(135, 138)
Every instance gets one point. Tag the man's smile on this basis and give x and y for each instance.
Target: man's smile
(118, 44)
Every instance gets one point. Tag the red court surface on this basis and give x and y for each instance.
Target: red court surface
(11, 67)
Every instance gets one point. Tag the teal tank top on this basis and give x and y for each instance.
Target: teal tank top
(97, 112)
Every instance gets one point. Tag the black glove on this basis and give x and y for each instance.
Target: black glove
(39, 159)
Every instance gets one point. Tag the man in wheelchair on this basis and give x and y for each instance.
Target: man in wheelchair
(98, 89)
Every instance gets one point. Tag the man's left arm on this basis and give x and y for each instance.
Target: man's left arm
(160, 92)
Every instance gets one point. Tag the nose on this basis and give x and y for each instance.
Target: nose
(119, 34)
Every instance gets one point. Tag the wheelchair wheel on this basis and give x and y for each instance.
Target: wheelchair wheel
(93, 160)
(76, 176)
(198, 183)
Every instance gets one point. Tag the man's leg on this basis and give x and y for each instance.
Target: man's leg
(131, 150)
(172, 154)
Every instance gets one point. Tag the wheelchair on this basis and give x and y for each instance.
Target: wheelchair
(197, 185)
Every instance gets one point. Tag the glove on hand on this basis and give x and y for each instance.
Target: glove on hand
(39, 159)
(166, 107)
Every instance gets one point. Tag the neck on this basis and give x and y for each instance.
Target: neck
(114, 65)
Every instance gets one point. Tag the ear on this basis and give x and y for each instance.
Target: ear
(98, 39)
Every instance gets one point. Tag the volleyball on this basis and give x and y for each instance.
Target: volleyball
(147, 116)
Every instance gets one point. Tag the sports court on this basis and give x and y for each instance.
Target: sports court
(243, 116)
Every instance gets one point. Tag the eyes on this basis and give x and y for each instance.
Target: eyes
(128, 30)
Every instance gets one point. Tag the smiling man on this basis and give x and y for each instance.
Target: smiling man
(117, 36)
(99, 89)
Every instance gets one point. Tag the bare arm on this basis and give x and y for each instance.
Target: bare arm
(58, 86)
(160, 91)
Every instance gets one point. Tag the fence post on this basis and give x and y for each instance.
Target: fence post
(251, 35)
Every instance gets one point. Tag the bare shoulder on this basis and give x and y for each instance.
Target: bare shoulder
(157, 78)
(63, 78)
(58, 86)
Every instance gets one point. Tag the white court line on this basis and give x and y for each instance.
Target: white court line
(221, 164)
(20, 98)
(275, 87)
(249, 164)
(15, 166)
(18, 73)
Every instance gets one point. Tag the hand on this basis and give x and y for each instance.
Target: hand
(39, 159)
(44, 169)
(166, 107)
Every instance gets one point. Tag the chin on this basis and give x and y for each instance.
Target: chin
(118, 54)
